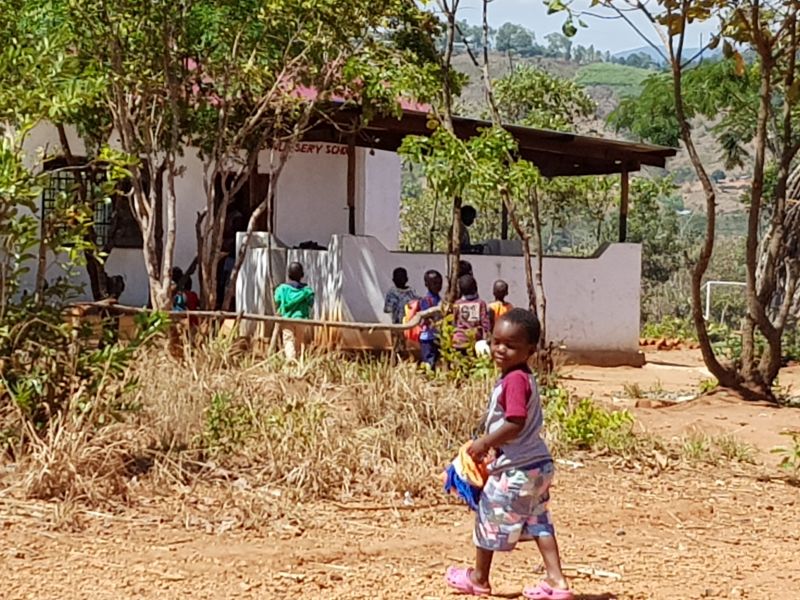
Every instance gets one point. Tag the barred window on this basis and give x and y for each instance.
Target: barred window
(114, 223)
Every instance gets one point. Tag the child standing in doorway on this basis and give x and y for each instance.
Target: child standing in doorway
(428, 345)
(513, 503)
(499, 307)
(294, 300)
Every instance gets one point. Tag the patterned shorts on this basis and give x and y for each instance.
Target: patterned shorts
(513, 508)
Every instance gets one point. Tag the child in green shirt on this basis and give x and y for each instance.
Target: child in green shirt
(294, 300)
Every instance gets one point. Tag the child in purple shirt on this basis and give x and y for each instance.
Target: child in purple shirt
(471, 315)
(513, 505)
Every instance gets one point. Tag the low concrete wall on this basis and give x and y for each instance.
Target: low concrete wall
(592, 303)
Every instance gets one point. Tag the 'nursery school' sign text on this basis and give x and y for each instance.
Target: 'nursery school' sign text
(318, 149)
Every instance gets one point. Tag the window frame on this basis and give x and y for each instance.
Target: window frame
(108, 233)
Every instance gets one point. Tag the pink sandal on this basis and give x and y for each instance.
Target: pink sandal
(543, 591)
(459, 579)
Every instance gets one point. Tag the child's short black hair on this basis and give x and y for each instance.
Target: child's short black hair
(295, 272)
(468, 214)
(464, 268)
(400, 276)
(500, 289)
(526, 320)
(467, 286)
(432, 276)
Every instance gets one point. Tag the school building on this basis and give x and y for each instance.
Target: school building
(341, 191)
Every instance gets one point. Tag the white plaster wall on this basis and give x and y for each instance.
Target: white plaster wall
(592, 303)
(311, 194)
(191, 199)
(382, 188)
(128, 262)
(264, 268)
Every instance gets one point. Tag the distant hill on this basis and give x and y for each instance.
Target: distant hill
(621, 79)
(607, 83)
(657, 58)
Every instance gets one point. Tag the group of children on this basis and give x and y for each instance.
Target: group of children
(513, 502)
(473, 318)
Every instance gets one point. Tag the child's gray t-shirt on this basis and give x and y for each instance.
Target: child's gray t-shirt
(516, 395)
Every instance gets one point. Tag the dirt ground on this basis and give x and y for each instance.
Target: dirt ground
(678, 374)
(695, 532)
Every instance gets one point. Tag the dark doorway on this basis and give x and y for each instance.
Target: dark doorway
(244, 202)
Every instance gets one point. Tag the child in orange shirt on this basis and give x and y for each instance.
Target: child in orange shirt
(499, 307)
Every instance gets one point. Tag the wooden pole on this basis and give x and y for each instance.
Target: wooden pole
(503, 221)
(623, 206)
(351, 185)
(80, 309)
(252, 192)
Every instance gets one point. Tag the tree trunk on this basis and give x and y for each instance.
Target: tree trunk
(537, 232)
(454, 254)
(779, 253)
(167, 260)
(454, 245)
(525, 238)
(727, 377)
(755, 309)
(263, 205)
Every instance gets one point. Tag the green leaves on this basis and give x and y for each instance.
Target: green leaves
(479, 168)
(556, 6)
(568, 28)
(716, 90)
(534, 98)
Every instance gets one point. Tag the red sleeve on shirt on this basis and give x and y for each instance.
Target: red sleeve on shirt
(515, 395)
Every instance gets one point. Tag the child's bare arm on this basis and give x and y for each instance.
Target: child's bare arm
(504, 434)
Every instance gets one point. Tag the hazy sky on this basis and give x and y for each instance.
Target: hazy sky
(606, 34)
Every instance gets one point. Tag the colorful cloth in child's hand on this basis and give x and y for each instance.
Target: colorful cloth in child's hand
(465, 477)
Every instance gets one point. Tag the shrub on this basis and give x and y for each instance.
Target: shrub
(227, 424)
(584, 425)
(670, 328)
(458, 365)
(791, 455)
(54, 368)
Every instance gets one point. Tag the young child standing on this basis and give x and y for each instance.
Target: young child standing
(294, 300)
(399, 295)
(471, 315)
(395, 303)
(499, 307)
(428, 345)
(190, 300)
(513, 503)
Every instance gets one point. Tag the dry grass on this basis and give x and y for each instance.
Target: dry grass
(72, 461)
(327, 428)
(261, 434)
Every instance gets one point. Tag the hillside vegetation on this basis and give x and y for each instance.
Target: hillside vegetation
(622, 79)
(606, 83)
